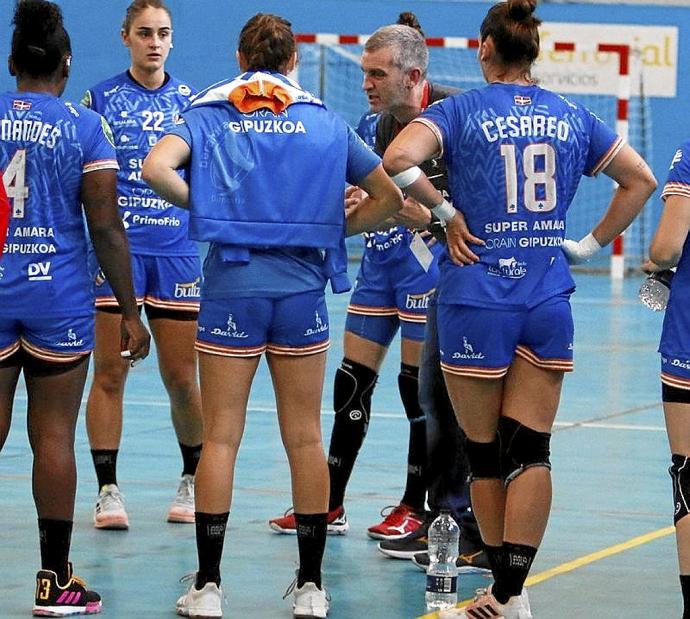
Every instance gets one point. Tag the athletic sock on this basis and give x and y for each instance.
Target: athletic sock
(685, 588)
(415, 484)
(517, 561)
(311, 542)
(210, 536)
(495, 556)
(105, 463)
(55, 537)
(190, 458)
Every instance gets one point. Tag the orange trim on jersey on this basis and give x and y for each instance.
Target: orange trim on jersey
(608, 156)
(366, 310)
(562, 365)
(112, 301)
(474, 371)
(49, 355)
(6, 353)
(675, 189)
(101, 164)
(675, 381)
(229, 351)
(192, 306)
(410, 317)
(303, 351)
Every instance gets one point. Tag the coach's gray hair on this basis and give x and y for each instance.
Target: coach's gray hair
(408, 45)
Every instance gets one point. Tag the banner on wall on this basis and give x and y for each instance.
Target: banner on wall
(655, 57)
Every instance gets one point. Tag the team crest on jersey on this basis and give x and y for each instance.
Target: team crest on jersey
(184, 90)
(108, 131)
(21, 106)
(522, 100)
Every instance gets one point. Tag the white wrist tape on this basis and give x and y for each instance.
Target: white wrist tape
(582, 250)
(444, 211)
(406, 177)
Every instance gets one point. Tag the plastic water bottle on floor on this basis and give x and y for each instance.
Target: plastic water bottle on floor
(442, 573)
(656, 289)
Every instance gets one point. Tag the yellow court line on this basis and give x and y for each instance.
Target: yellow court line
(581, 561)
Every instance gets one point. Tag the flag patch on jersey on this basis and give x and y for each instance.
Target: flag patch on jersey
(520, 100)
(20, 105)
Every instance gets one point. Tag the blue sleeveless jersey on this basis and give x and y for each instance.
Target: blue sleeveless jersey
(515, 156)
(46, 145)
(675, 337)
(139, 117)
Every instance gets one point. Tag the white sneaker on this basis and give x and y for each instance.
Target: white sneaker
(310, 601)
(204, 602)
(486, 605)
(182, 508)
(110, 509)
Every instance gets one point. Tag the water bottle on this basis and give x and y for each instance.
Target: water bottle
(442, 573)
(655, 290)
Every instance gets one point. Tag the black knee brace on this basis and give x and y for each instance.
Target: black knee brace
(408, 386)
(680, 475)
(484, 459)
(352, 389)
(521, 448)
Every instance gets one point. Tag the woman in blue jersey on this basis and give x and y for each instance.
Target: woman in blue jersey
(515, 154)
(55, 156)
(669, 249)
(140, 104)
(267, 168)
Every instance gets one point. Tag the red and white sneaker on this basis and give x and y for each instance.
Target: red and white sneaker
(398, 523)
(287, 524)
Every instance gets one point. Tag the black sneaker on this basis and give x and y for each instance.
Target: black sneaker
(54, 600)
(474, 563)
(407, 547)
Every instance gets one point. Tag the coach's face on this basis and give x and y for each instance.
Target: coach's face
(385, 83)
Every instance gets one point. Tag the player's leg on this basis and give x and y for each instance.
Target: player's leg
(297, 363)
(676, 397)
(174, 333)
(11, 357)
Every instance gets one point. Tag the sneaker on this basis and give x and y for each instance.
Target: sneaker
(406, 547)
(182, 508)
(398, 523)
(74, 598)
(110, 509)
(474, 563)
(486, 605)
(201, 603)
(310, 601)
(336, 522)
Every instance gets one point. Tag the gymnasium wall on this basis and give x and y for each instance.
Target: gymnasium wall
(206, 34)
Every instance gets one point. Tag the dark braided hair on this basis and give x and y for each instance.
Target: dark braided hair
(39, 41)
(514, 30)
(267, 42)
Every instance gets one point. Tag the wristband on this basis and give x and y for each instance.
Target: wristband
(406, 177)
(444, 211)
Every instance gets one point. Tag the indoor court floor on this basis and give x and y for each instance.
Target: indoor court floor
(608, 550)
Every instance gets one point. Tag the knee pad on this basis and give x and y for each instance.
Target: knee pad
(484, 459)
(408, 385)
(674, 394)
(680, 475)
(521, 448)
(352, 389)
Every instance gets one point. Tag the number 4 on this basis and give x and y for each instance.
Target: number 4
(532, 177)
(13, 178)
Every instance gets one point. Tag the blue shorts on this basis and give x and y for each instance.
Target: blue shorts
(675, 370)
(170, 283)
(482, 342)
(392, 294)
(248, 326)
(59, 340)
